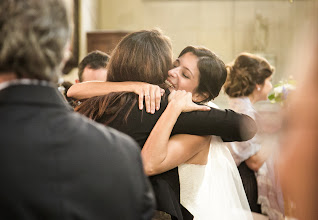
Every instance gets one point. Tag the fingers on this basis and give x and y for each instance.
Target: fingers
(202, 108)
(162, 91)
(141, 100)
(158, 93)
(152, 95)
(147, 102)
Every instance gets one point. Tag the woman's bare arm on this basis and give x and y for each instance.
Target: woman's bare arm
(151, 93)
(161, 154)
(257, 160)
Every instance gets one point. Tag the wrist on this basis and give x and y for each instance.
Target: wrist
(175, 107)
(129, 87)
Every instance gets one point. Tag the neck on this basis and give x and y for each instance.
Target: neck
(252, 98)
(4, 77)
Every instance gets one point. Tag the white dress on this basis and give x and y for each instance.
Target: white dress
(214, 190)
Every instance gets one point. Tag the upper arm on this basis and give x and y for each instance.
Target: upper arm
(181, 148)
(227, 124)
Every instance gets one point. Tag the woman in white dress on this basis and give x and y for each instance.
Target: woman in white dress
(211, 187)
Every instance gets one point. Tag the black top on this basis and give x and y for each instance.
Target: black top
(57, 164)
(224, 123)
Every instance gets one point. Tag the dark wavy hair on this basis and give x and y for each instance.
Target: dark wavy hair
(143, 56)
(245, 73)
(212, 71)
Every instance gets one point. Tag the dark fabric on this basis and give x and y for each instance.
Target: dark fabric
(250, 186)
(56, 164)
(224, 123)
(186, 214)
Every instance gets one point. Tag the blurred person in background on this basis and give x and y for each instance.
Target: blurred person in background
(93, 67)
(249, 81)
(298, 164)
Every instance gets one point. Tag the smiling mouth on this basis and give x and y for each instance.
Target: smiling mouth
(170, 84)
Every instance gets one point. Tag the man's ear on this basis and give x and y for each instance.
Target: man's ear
(77, 81)
(198, 97)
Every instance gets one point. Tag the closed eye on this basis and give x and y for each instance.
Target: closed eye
(184, 75)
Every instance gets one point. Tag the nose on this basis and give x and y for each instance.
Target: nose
(173, 72)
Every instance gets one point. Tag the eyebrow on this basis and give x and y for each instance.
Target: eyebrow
(185, 67)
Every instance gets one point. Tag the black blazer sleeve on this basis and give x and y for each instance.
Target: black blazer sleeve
(227, 124)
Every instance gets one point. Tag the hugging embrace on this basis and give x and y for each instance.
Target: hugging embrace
(182, 141)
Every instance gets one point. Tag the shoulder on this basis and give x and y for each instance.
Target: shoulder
(242, 105)
(100, 134)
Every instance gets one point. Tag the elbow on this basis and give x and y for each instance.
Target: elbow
(150, 170)
(253, 165)
(70, 92)
(248, 129)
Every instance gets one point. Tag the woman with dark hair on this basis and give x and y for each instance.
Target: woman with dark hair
(211, 187)
(249, 81)
(146, 56)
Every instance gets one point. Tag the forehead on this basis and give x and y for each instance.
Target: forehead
(94, 74)
(189, 61)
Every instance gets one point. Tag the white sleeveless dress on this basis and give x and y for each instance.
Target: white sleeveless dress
(215, 190)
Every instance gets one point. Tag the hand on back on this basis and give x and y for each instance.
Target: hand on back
(182, 102)
(152, 95)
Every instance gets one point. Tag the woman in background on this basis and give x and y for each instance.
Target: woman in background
(249, 81)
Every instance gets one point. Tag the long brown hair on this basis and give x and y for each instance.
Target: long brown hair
(144, 56)
(246, 71)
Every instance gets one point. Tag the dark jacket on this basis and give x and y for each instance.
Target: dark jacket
(56, 164)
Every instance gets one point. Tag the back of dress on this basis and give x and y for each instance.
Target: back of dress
(214, 190)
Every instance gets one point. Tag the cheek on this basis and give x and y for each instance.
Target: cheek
(270, 86)
(185, 85)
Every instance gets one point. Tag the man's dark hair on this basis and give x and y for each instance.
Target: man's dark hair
(94, 60)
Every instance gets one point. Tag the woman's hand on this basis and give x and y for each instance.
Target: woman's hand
(151, 93)
(182, 102)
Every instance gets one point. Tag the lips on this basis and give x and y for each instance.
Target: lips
(170, 84)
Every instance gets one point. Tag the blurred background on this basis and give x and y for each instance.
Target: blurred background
(227, 27)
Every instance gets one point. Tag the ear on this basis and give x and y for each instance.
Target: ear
(258, 87)
(198, 97)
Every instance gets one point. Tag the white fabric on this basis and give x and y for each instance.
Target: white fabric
(214, 190)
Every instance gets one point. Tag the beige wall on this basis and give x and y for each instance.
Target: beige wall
(226, 27)
(88, 21)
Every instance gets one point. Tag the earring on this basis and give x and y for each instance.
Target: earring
(258, 88)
